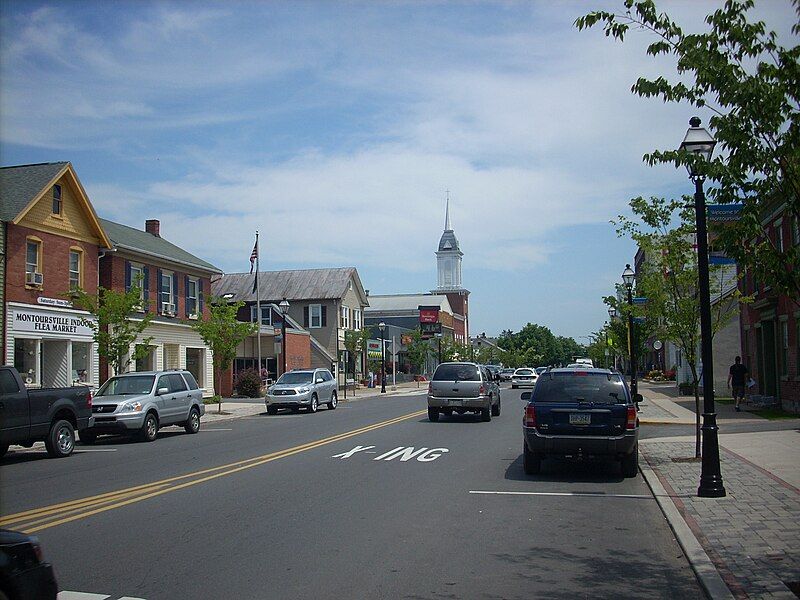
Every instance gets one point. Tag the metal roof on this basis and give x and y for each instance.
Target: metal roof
(407, 302)
(139, 241)
(21, 184)
(300, 284)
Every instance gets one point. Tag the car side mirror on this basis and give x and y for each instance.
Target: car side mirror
(638, 398)
(526, 396)
(162, 391)
(319, 380)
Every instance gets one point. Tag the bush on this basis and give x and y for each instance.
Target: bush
(670, 375)
(248, 383)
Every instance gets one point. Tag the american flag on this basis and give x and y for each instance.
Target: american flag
(254, 256)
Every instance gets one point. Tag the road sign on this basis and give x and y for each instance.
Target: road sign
(720, 259)
(640, 300)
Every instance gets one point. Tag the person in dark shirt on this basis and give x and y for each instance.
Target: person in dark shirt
(737, 376)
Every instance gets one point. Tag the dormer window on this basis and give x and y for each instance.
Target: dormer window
(57, 205)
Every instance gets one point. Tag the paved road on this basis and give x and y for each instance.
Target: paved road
(281, 507)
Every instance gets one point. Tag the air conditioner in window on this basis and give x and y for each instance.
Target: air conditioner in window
(168, 308)
(34, 278)
(193, 316)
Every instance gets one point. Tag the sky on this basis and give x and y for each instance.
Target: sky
(336, 128)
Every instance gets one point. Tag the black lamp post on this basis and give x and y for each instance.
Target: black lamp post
(284, 307)
(605, 347)
(612, 314)
(700, 143)
(628, 277)
(382, 327)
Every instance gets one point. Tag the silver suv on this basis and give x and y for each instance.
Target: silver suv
(306, 387)
(463, 387)
(141, 403)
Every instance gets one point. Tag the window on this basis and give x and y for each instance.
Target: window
(33, 256)
(344, 322)
(167, 292)
(785, 348)
(779, 236)
(57, 205)
(26, 359)
(315, 316)
(357, 323)
(176, 383)
(75, 268)
(266, 314)
(191, 296)
(8, 384)
(138, 278)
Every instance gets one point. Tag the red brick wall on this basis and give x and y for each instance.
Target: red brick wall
(298, 351)
(55, 265)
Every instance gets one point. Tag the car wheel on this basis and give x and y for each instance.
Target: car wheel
(531, 462)
(87, 437)
(630, 464)
(193, 422)
(486, 413)
(433, 414)
(149, 430)
(496, 409)
(60, 440)
(312, 408)
(272, 410)
(334, 401)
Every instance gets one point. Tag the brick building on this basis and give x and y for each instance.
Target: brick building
(52, 239)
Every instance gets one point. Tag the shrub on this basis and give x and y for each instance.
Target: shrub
(670, 375)
(248, 383)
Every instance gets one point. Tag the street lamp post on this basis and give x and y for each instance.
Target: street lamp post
(382, 327)
(612, 314)
(627, 278)
(284, 308)
(700, 143)
(605, 345)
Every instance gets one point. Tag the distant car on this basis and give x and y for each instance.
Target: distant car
(142, 402)
(306, 388)
(581, 414)
(585, 361)
(578, 365)
(494, 370)
(523, 377)
(24, 575)
(506, 374)
(540, 370)
(460, 387)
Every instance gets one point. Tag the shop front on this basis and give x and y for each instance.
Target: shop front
(51, 346)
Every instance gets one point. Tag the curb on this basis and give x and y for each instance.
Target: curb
(666, 421)
(701, 564)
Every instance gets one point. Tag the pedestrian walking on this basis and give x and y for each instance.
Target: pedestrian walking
(737, 376)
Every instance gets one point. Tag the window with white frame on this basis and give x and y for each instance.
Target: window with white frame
(57, 204)
(266, 314)
(137, 278)
(75, 268)
(357, 324)
(315, 316)
(167, 292)
(344, 322)
(33, 256)
(191, 295)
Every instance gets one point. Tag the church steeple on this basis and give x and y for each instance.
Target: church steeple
(448, 256)
(447, 226)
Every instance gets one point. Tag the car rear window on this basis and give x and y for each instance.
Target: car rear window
(457, 373)
(524, 372)
(580, 387)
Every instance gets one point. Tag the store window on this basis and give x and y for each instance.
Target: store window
(57, 204)
(266, 314)
(75, 268)
(195, 361)
(784, 348)
(147, 362)
(81, 363)
(26, 360)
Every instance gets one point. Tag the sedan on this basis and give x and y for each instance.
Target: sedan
(506, 374)
(523, 378)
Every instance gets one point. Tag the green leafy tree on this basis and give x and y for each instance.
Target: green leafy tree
(418, 351)
(114, 332)
(668, 279)
(535, 345)
(355, 342)
(222, 333)
(737, 71)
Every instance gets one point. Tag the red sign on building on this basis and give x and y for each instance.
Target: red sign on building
(428, 314)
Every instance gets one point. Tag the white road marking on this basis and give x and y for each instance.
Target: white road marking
(404, 454)
(81, 596)
(350, 453)
(582, 494)
(95, 450)
(206, 429)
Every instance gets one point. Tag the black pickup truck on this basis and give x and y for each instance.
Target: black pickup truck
(51, 415)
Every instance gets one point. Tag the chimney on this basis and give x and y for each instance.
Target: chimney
(153, 227)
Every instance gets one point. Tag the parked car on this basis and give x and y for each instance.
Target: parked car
(141, 403)
(302, 388)
(540, 370)
(523, 377)
(24, 575)
(461, 387)
(581, 414)
(49, 414)
(506, 374)
(494, 371)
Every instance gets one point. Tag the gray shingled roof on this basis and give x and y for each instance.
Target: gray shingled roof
(307, 284)
(137, 240)
(449, 241)
(406, 302)
(21, 184)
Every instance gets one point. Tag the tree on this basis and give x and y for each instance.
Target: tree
(114, 332)
(418, 351)
(668, 279)
(749, 83)
(355, 341)
(223, 333)
(535, 345)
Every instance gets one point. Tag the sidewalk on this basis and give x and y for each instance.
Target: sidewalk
(234, 408)
(744, 545)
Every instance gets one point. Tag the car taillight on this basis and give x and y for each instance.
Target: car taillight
(89, 399)
(430, 388)
(631, 422)
(529, 420)
(482, 391)
(37, 549)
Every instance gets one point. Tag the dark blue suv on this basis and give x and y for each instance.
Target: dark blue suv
(581, 413)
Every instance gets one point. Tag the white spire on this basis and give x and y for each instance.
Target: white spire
(447, 226)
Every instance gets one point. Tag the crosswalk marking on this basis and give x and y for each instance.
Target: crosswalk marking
(67, 595)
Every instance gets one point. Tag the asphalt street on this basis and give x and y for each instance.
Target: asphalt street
(368, 501)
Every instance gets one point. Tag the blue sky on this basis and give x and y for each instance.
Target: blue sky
(335, 128)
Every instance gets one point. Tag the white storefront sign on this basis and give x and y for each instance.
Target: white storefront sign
(49, 323)
(54, 302)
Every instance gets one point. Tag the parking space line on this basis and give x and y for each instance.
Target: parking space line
(220, 429)
(580, 494)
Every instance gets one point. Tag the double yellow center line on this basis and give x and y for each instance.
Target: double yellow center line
(31, 521)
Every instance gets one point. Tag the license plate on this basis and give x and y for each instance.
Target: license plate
(455, 402)
(580, 419)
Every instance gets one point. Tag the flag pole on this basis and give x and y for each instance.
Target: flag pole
(258, 313)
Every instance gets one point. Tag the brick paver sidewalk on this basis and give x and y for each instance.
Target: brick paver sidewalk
(752, 535)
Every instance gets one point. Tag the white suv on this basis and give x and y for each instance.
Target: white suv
(306, 388)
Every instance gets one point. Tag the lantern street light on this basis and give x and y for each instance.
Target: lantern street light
(284, 308)
(628, 277)
(382, 327)
(700, 143)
